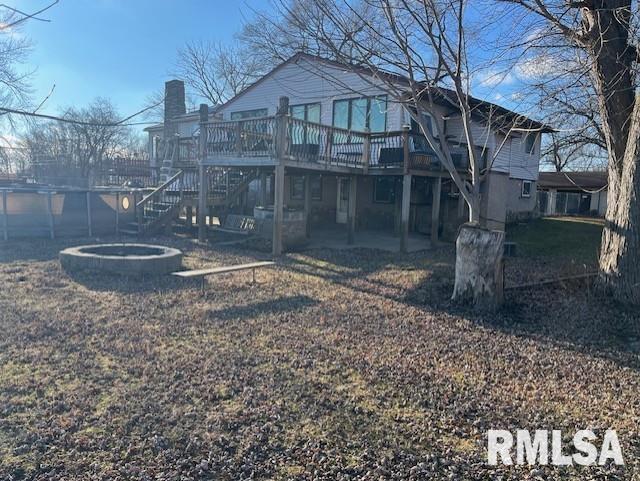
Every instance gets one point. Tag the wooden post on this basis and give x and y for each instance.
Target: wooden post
(351, 210)
(89, 221)
(117, 213)
(263, 189)
(366, 153)
(307, 205)
(238, 143)
(278, 209)
(405, 149)
(52, 232)
(5, 216)
(404, 213)
(282, 150)
(189, 213)
(435, 209)
(282, 129)
(202, 173)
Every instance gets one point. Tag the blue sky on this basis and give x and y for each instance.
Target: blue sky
(125, 49)
(120, 49)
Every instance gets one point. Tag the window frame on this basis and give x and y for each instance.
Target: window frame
(264, 112)
(528, 183)
(350, 102)
(392, 192)
(533, 136)
(314, 178)
(306, 111)
(293, 195)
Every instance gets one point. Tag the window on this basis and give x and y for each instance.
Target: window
(361, 113)
(526, 188)
(297, 188)
(249, 114)
(308, 134)
(384, 190)
(530, 143)
(308, 112)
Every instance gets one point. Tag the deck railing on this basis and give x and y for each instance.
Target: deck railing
(311, 142)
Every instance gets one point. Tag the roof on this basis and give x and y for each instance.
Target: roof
(572, 180)
(442, 96)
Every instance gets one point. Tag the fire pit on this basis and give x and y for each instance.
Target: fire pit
(122, 259)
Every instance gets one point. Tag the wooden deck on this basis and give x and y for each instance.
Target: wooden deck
(298, 144)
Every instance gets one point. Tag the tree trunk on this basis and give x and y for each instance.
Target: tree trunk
(479, 267)
(619, 266)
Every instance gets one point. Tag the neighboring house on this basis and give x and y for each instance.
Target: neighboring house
(572, 193)
(343, 129)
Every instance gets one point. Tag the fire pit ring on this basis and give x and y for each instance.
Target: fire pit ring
(122, 259)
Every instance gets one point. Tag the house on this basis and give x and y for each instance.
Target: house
(325, 141)
(573, 193)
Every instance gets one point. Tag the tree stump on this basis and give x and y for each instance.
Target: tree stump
(479, 267)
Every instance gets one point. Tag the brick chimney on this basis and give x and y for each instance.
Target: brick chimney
(174, 105)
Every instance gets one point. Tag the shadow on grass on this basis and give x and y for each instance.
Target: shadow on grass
(274, 306)
(570, 316)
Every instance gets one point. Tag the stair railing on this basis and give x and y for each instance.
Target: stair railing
(158, 196)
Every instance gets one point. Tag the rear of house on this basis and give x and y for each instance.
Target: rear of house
(327, 93)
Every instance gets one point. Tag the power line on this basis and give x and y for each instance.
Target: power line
(120, 123)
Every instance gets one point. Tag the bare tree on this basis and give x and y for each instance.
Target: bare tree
(605, 33)
(81, 140)
(216, 72)
(417, 52)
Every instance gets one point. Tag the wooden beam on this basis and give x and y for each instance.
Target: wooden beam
(351, 210)
(263, 198)
(404, 213)
(5, 216)
(278, 210)
(202, 203)
(435, 209)
(307, 205)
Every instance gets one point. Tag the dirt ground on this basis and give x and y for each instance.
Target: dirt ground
(338, 365)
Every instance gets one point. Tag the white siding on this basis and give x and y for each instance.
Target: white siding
(306, 82)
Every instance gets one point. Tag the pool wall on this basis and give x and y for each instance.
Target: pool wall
(65, 213)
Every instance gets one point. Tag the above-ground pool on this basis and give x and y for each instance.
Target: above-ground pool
(123, 259)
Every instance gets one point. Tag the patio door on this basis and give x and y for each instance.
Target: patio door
(342, 202)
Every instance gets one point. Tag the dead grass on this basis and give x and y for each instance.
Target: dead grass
(339, 365)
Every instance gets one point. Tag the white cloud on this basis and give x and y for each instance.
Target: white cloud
(536, 67)
(493, 78)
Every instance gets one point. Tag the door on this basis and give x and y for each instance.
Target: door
(342, 203)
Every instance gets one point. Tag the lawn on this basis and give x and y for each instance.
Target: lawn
(568, 238)
(339, 365)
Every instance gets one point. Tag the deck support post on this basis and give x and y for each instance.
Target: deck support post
(189, 216)
(351, 210)
(202, 174)
(202, 203)
(52, 232)
(278, 209)
(404, 213)
(5, 216)
(307, 205)
(435, 210)
(263, 188)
